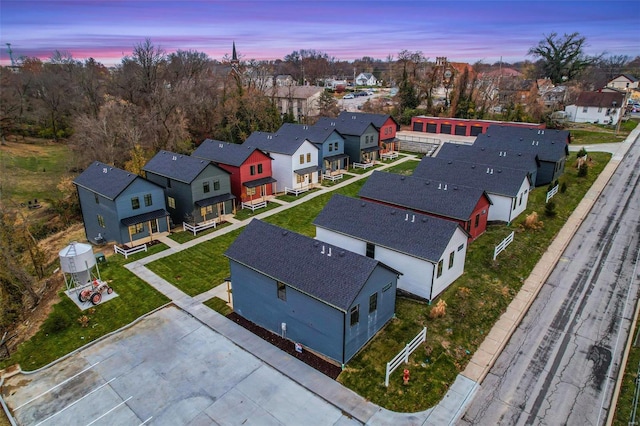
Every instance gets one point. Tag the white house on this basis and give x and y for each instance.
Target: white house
(596, 107)
(301, 101)
(429, 252)
(625, 82)
(295, 160)
(366, 79)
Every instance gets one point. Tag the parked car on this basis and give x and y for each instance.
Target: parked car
(348, 96)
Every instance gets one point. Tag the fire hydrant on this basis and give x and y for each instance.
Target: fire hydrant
(405, 377)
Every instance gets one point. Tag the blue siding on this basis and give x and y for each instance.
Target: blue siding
(139, 188)
(90, 211)
(324, 149)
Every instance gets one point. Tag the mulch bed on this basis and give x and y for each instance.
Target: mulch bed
(287, 346)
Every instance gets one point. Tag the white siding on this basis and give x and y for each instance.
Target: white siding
(305, 148)
(449, 275)
(282, 171)
(500, 209)
(417, 274)
(576, 114)
(521, 206)
(341, 240)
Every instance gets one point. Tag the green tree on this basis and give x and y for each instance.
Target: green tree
(328, 105)
(563, 57)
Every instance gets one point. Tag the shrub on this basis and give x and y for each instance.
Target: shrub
(532, 222)
(550, 209)
(581, 153)
(563, 188)
(583, 170)
(439, 310)
(57, 322)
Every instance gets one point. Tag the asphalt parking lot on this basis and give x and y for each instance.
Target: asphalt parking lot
(168, 369)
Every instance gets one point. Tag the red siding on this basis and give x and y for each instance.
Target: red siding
(387, 131)
(449, 124)
(257, 157)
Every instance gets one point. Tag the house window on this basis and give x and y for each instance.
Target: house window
(171, 202)
(439, 274)
(335, 146)
(477, 220)
(97, 198)
(135, 203)
(148, 200)
(584, 109)
(216, 185)
(282, 291)
(299, 178)
(308, 157)
(251, 191)
(371, 250)
(608, 111)
(515, 203)
(460, 247)
(259, 168)
(330, 147)
(301, 158)
(599, 109)
(206, 187)
(373, 302)
(206, 210)
(387, 287)
(451, 258)
(520, 201)
(101, 221)
(355, 315)
(136, 229)
(252, 170)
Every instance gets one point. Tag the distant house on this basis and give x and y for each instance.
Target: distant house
(360, 136)
(507, 188)
(366, 79)
(328, 299)
(468, 207)
(597, 107)
(295, 160)
(551, 148)
(428, 251)
(330, 143)
(196, 190)
(301, 102)
(250, 169)
(625, 82)
(120, 206)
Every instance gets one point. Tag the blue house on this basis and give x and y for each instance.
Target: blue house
(120, 206)
(330, 143)
(328, 299)
(196, 190)
(360, 136)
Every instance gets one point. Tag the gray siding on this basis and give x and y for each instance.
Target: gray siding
(353, 145)
(549, 171)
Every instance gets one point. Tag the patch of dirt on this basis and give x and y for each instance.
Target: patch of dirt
(325, 367)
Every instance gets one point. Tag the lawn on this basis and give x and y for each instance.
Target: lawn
(186, 236)
(624, 407)
(585, 134)
(243, 214)
(62, 333)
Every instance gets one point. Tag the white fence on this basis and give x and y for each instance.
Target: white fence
(197, 228)
(404, 354)
(551, 193)
(363, 165)
(503, 245)
(128, 252)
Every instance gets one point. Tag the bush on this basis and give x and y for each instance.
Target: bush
(581, 153)
(550, 209)
(583, 170)
(58, 321)
(563, 188)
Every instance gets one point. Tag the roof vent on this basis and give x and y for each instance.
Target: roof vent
(341, 254)
(221, 145)
(393, 212)
(362, 204)
(439, 186)
(473, 166)
(316, 243)
(482, 149)
(445, 187)
(402, 177)
(449, 162)
(499, 171)
(455, 187)
(174, 158)
(105, 170)
(426, 182)
(284, 233)
(424, 220)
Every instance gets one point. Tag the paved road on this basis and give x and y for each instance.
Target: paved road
(561, 364)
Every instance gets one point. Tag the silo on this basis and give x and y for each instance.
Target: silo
(77, 260)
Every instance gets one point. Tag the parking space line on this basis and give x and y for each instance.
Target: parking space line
(76, 401)
(146, 421)
(58, 385)
(122, 403)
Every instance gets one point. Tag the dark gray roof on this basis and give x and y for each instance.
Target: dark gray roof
(314, 134)
(442, 199)
(179, 167)
(274, 142)
(494, 180)
(224, 152)
(415, 234)
(105, 180)
(377, 120)
(548, 144)
(507, 157)
(144, 217)
(297, 261)
(351, 125)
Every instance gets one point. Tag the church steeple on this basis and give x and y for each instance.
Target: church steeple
(234, 55)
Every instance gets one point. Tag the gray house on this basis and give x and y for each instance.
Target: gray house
(360, 136)
(120, 206)
(326, 298)
(550, 146)
(196, 190)
(429, 252)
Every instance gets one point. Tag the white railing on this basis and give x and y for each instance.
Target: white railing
(403, 356)
(253, 206)
(389, 155)
(296, 191)
(332, 178)
(503, 245)
(362, 165)
(199, 227)
(551, 193)
(128, 252)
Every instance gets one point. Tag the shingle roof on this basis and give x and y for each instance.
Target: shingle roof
(600, 99)
(314, 134)
(274, 142)
(297, 261)
(548, 144)
(350, 124)
(105, 180)
(224, 152)
(180, 167)
(415, 234)
(377, 120)
(511, 157)
(453, 201)
(493, 180)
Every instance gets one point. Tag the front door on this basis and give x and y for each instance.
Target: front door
(154, 226)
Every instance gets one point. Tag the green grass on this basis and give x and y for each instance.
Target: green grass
(218, 305)
(360, 171)
(474, 303)
(291, 198)
(596, 134)
(405, 168)
(244, 214)
(186, 236)
(624, 407)
(61, 333)
(328, 184)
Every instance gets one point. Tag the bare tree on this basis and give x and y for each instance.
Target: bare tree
(563, 57)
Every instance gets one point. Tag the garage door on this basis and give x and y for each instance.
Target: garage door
(417, 126)
(445, 128)
(432, 127)
(476, 130)
(461, 130)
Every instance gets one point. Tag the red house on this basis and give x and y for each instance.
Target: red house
(469, 207)
(251, 176)
(386, 125)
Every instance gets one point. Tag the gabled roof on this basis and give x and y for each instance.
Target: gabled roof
(314, 134)
(548, 144)
(224, 153)
(629, 77)
(415, 234)
(493, 180)
(600, 99)
(439, 198)
(274, 142)
(297, 92)
(175, 166)
(347, 123)
(511, 157)
(378, 120)
(303, 263)
(105, 180)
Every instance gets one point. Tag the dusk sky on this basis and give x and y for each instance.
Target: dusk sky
(466, 31)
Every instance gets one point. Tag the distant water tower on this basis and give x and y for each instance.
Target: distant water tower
(77, 262)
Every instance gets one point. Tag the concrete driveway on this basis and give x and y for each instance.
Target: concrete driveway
(168, 369)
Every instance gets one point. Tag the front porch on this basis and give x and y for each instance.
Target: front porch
(258, 193)
(335, 166)
(143, 227)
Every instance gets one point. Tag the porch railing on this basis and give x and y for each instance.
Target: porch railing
(126, 252)
(198, 227)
